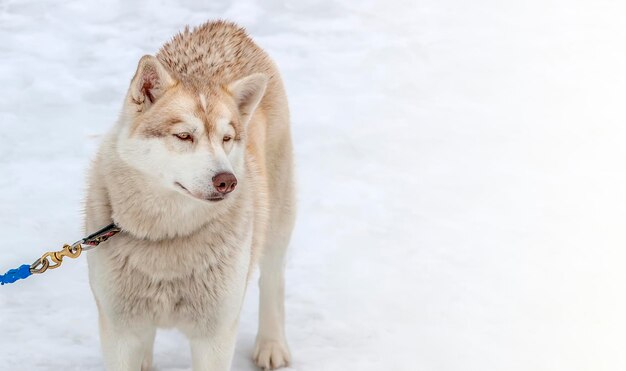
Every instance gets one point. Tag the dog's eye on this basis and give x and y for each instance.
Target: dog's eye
(227, 138)
(184, 136)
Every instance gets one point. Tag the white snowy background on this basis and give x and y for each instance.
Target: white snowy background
(461, 165)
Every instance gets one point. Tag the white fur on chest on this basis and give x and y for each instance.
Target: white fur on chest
(195, 282)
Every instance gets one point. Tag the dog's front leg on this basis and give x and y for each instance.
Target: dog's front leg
(214, 353)
(125, 348)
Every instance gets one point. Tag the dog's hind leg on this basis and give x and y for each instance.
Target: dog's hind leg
(271, 350)
(215, 352)
(124, 348)
(146, 364)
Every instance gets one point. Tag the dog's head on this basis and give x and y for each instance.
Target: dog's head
(190, 138)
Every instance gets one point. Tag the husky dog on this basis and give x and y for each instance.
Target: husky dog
(198, 174)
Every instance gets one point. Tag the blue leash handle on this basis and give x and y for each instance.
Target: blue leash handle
(15, 274)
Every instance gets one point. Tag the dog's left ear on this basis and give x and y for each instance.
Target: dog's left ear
(248, 92)
(150, 82)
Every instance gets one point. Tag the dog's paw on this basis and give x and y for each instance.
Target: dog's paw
(271, 354)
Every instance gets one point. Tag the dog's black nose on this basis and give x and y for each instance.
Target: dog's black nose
(224, 182)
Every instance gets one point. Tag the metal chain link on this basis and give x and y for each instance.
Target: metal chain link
(54, 259)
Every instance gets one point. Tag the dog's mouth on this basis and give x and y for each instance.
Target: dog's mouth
(213, 197)
(183, 188)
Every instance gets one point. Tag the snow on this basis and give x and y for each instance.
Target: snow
(460, 171)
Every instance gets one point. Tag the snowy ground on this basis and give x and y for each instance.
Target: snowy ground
(460, 165)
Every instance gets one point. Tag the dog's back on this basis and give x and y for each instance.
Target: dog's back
(217, 53)
(214, 53)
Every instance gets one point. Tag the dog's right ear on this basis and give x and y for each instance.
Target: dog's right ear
(150, 82)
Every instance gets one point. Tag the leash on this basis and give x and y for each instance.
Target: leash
(54, 259)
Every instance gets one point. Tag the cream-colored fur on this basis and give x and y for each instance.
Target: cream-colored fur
(211, 101)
